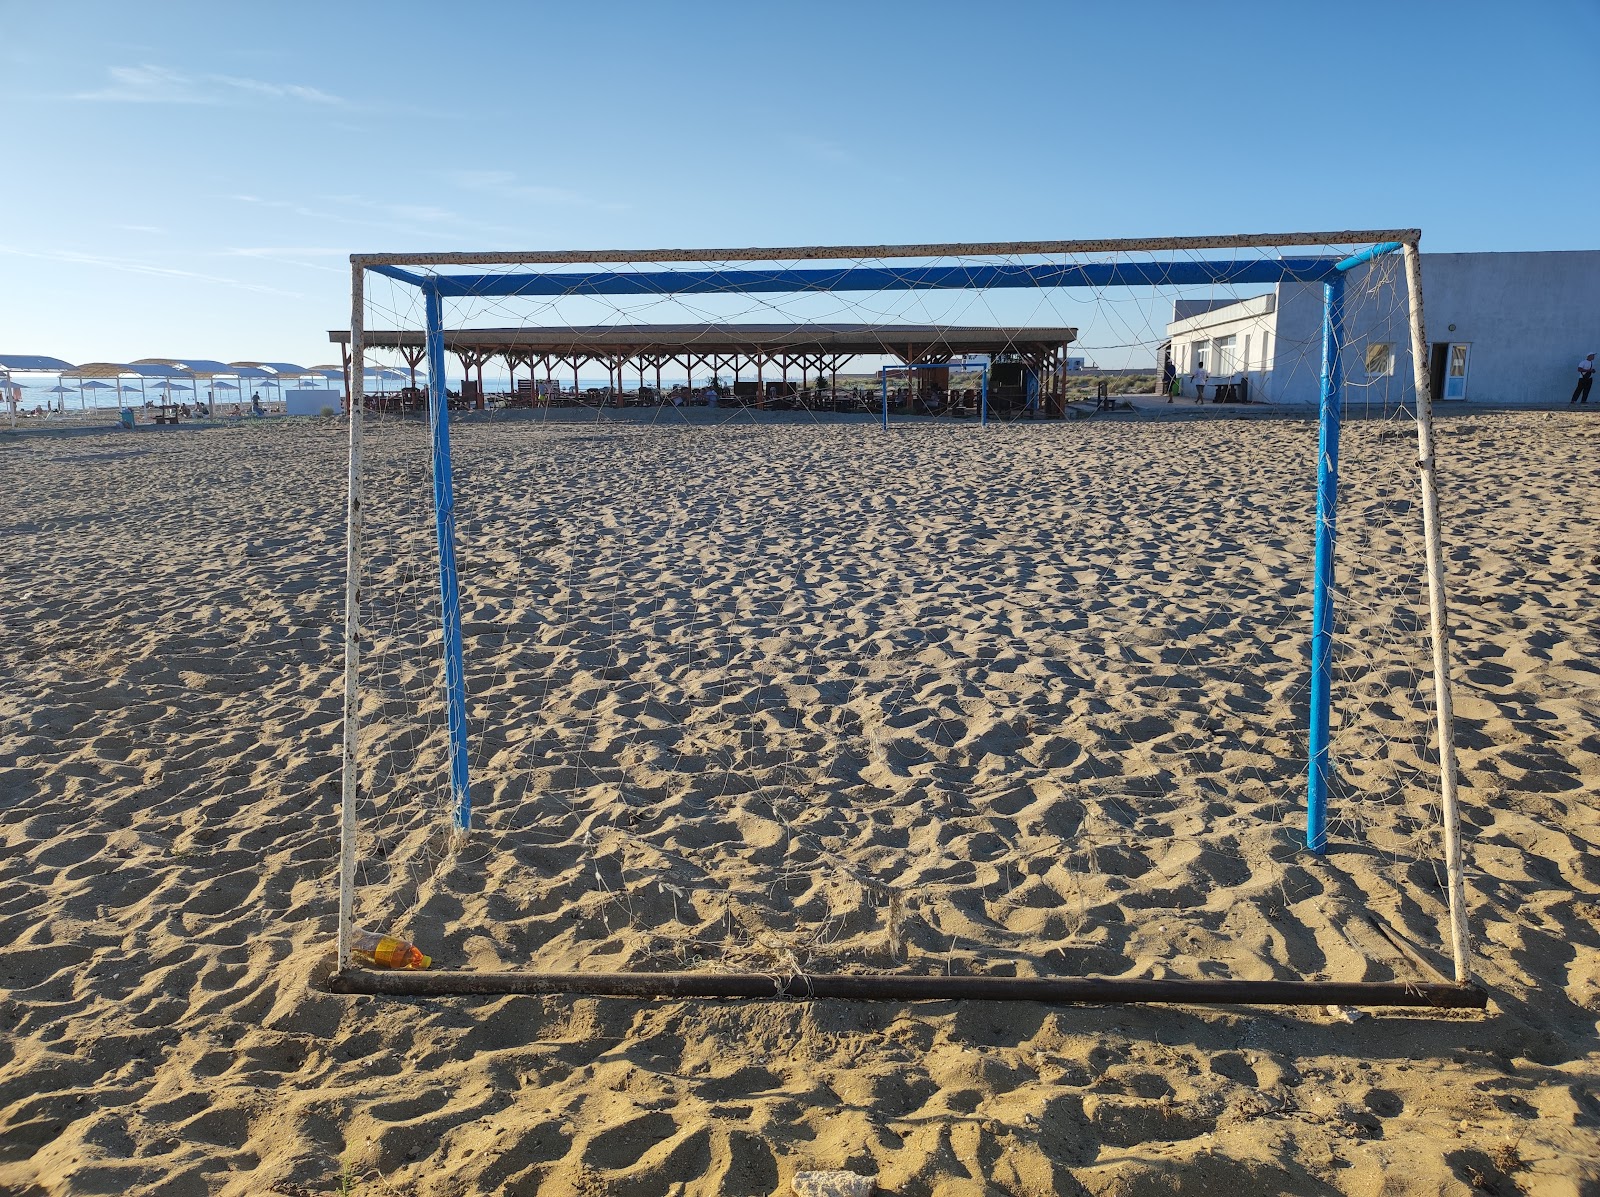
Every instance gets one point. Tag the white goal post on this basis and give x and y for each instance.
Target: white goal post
(972, 266)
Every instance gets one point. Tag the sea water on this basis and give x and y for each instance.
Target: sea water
(37, 392)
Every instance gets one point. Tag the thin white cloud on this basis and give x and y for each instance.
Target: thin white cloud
(149, 84)
(143, 85)
(429, 219)
(285, 205)
(134, 266)
(290, 91)
(289, 255)
(820, 149)
(505, 184)
(411, 220)
(280, 251)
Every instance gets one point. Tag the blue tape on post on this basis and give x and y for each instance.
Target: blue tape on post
(1320, 767)
(1366, 255)
(444, 514)
(404, 276)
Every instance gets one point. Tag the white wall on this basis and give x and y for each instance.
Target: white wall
(1529, 317)
(1255, 318)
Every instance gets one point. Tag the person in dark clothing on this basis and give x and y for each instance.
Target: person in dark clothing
(1585, 380)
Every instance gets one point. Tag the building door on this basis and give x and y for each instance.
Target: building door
(1438, 359)
(1455, 377)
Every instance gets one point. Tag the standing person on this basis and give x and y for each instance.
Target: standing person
(1585, 380)
(1201, 377)
(1169, 376)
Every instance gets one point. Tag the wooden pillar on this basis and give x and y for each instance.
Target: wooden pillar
(344, 360)
(463, 356)
(413, 356)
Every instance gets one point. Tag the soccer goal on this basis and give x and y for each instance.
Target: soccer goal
(724, 671)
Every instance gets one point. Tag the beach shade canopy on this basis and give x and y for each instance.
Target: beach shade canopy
(278, 369)
(34, 361)
(61, 390)
(225, 386)
(187, 366)
(117, 369)
(92, 385)
(170, 384)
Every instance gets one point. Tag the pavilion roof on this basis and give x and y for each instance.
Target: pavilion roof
(898, 340)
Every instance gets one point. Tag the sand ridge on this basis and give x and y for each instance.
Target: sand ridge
(1085, 775)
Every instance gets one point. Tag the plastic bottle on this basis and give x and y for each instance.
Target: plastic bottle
(385, 951)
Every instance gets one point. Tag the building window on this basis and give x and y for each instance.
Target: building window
(1226, 357)
(1266, 351)
(1245, 358)
(1380, 360)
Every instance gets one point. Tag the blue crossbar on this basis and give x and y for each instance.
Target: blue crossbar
(876, 278)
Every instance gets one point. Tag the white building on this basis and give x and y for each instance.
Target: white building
(1503, 328)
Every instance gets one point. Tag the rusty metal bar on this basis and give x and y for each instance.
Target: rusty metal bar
(941, 250)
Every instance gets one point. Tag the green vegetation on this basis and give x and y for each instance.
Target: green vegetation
(1081, 386)
(347, 1173)
(1078, 386)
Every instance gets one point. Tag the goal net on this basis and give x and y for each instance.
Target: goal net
(935, 611)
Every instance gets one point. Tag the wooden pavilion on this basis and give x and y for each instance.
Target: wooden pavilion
(771, 352)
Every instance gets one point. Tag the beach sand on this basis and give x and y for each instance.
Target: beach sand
(1021, 701)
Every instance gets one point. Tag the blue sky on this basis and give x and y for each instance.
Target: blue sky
(186, 179)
